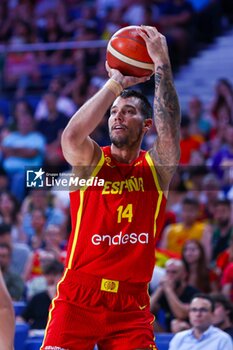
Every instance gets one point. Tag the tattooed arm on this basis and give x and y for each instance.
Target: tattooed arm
(166, 149)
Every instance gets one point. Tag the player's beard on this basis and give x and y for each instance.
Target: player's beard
(121, 141)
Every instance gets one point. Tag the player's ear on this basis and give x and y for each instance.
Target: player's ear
(148, 123)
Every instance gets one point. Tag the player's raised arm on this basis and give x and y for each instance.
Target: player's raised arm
(78, 148)
(166, 150)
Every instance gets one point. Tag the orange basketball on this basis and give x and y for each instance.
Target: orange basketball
(127, 52)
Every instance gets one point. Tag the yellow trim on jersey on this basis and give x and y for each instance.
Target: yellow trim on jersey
(53, 306)
(77, 227)
(160, 192)
(80, 210)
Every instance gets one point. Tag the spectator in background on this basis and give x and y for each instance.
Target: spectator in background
(202, 335)
(223, 99)
(20, 107)
(210, 193)
(227, 281)
(188, 143)
(21, 69)
(175, 235)
(177, 24)
(7, 318)
(198, 273)
(22, 148)
(222, 161)
(5, 23)
(14, 282)
(37, 309)
(53, 248)
(65, 104)
(51, 128)
(9, 214)
(200, 124)
(41, 199)
(4, 180)
(77, 87)
(223, 313)
(173, 293)
(20, 252)
(224, 258)
(38, 224)
(52, 270)
(222, 228)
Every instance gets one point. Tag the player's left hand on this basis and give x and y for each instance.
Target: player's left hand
(125, 81)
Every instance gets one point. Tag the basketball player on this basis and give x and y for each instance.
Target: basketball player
(102, 298)
(7, 318)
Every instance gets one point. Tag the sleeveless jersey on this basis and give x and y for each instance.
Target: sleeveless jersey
(115, 224)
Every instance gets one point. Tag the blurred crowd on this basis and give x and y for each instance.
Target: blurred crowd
(195, 249)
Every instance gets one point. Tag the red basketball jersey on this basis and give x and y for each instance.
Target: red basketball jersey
(115, 224)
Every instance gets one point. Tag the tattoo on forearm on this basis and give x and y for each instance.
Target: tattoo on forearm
(167, 116)
(158, 77)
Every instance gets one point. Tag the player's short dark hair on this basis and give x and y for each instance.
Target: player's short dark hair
(206, 297)
(145, 106)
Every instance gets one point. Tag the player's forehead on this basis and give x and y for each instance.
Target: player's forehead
(121, 102)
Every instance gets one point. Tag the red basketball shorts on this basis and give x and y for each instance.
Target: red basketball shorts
(89, 310)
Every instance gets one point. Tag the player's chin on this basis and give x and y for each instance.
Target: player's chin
(119, 141)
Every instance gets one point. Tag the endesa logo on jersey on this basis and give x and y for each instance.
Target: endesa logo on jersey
(118, 239)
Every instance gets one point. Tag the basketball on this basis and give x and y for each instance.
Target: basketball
(127, 52)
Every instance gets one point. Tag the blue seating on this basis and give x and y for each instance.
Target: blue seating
(21, 334)
(33, 343)
(19, 307)
(164, 337)
(162, 346)
(162, 340)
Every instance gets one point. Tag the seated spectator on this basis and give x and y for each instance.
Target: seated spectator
(20, 252)
(227, 281)
(9, 214)
(223, 99)
(210, 193)
(38, 229)
(200, 123)
(223, 313)
(65, 104)
(224, 258)
(53, 248)
(173, 293)
(175, 235)
(41, 200)
(177, 24)
(22, 148)
(198, 273)
(222, 228)
(202, 335)
(21, 68)
(188, 143)
(77, 87)
(7, 317)
(221, 162)
(51, 128)
(37, 309)
(14, 282)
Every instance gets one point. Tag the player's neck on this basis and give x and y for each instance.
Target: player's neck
(125, 155)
